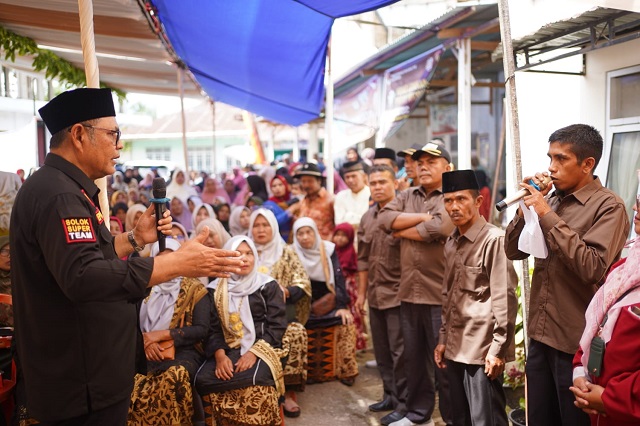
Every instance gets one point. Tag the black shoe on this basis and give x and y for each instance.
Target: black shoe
(393, 416)
(384, 405)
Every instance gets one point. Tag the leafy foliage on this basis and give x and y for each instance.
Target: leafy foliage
(53, 66)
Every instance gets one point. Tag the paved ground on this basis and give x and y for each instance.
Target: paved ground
(331, 404)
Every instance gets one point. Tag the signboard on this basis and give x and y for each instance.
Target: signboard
(356, 114)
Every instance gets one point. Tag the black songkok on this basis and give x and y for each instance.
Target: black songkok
(76, 106)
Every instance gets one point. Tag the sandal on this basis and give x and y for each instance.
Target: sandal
(291, 407)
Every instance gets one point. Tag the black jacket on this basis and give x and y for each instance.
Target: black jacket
(75, 322)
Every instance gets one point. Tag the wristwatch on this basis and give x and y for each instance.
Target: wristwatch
(133, 242)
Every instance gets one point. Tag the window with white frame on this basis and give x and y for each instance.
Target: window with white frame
(623, 134)
(163, 154)
(200, 159)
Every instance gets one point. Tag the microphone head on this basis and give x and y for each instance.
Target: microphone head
(159, 188)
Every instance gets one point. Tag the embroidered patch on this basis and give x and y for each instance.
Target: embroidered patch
(79, 230)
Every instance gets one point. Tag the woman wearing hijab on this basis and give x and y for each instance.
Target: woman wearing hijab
(179, 310)
(223, 212)
(281, 262)
(205, 211)
(343, 238)
(332, 336)
(218, 236)
(610, 395)
(239, 220)
(179, 186)
(118, 183)
(193, 202)
(256, 187)
(241, 379)
(147, 182)
(119, 197)
(212, 193)
(181, 214)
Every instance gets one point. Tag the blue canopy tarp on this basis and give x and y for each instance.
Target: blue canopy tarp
(265, 56)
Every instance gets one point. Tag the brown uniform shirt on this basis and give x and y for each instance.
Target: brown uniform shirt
(584, 233)
(479, 300)
(379, 254)
(422, 262)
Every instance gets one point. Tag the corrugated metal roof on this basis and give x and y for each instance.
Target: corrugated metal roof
(577, 31)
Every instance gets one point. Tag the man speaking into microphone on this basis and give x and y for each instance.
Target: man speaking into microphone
(584, 226)
(74, 298)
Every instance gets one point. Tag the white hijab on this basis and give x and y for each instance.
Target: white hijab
(311, 258)
(234, 221)
(240, 287)
(208, 208)
(157, 310)
(272, 251)
(184, 191)
(214, 227)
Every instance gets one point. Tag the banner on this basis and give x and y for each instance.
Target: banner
(356, 114)
(404, 86)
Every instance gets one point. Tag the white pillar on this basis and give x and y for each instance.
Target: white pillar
(295, 154)
(464, 104)
(312, 145)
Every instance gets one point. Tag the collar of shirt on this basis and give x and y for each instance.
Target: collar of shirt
(420, 189)
(583, 194)
(472, 233)
(73, 172)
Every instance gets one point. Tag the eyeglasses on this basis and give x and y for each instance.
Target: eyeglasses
(116, 132)
(5, 252)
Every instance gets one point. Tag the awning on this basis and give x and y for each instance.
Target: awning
(265, 56)
(130, 55)
(594, 29)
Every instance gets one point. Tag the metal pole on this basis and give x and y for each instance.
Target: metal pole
(328, 125)
(464, 103)
(184, 122)
(92, 73)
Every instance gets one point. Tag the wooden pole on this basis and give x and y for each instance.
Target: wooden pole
(328, 125)
(92, 72)
(508, 61)
(185, 152)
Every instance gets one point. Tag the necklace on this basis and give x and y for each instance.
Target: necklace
(235, 322)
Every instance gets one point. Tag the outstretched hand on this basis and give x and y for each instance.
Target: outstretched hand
(203, 261)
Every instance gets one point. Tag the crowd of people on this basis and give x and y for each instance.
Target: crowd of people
(265, 280)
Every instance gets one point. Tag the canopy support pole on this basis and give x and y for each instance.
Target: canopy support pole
(184, 122)
(464, 103)
(328, 125)
(92, 73)
(214, 166)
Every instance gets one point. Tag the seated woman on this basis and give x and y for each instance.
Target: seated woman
(332, 335)
(204, 211)
(281, 262)
(239, 220)
(241, 379)
(180, 310)
(218, 236)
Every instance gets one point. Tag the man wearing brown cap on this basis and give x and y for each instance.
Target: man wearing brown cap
(479, 307)
(317, 203)
(74, 298)
(350, 204)
(418, 217)
(408, 178)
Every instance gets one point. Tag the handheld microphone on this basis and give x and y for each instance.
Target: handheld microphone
(160, 201)
(508, 202)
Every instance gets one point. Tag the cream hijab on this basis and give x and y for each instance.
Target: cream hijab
(318, 265)
(234, 221)
(272, 251)
(157, 310)
(216, 227)
(239, 287)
